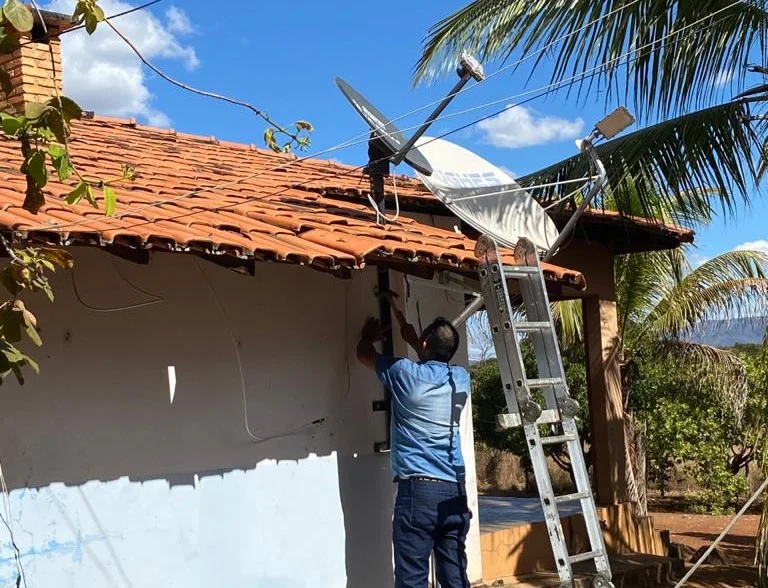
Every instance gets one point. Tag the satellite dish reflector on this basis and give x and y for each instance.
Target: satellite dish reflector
(389, 135)
(483, 196)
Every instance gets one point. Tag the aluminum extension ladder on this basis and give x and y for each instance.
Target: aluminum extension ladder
(522, 405)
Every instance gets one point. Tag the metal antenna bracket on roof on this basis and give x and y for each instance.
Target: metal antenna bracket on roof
(609, 127)
(387, 144)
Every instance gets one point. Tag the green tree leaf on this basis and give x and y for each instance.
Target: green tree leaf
(9, 283)
(11, 124)
(36, 111)
(56, 125)
(270, 140)
(69, 108)
(36, 168)
(56, 151)
(90, 197)
(303, 125)
(32, 363)
(91, 22)
(8, 43)
(33, 335)
(77, 194)
(18, 373)
(10, 323)
(19, 15)
(61, 161)
(110, 201)
(58, 256)
(35, 199)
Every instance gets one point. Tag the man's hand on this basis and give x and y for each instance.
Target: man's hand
(407, 331)
(372, 332)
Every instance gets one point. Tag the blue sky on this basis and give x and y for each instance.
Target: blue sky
(284, 57)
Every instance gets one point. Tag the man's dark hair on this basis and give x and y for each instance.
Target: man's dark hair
(441, 339)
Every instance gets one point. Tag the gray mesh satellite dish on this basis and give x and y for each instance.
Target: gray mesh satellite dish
(384, 130)
(484, 196)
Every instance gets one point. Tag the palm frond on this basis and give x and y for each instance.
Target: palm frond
(569, 318)
(729, 287)
(720, 365)
(643, 280)
(683, 47)
(683, 165)
(691, 208)
(478, 27)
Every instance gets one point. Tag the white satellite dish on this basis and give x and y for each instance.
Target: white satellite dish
(484, 196)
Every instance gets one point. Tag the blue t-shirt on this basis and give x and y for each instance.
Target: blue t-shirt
(427, 400)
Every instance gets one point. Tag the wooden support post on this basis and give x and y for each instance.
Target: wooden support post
(606, 408)
(602, 346)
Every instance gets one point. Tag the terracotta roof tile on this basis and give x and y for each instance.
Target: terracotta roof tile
(196, 193)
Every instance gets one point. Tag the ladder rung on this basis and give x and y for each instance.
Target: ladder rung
(556, 439)
(544, 382)
(520, 271)
(585, 556)
(510, 420)
(572, 497)
(531, 327)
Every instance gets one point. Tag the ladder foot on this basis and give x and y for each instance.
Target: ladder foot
(601, 582)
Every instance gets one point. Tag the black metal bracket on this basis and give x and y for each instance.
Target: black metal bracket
(378, 169)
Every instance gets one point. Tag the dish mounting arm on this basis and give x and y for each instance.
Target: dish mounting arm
(587, 147)
(597, 187)
(468, 68)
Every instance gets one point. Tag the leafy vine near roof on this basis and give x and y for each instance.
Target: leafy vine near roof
(43, 132)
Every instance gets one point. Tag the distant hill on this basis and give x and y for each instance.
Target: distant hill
(718, 333)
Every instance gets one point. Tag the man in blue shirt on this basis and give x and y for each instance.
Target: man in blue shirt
(427, 397)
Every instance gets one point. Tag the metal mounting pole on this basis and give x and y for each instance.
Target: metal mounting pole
(469, 68)
(471, 309)
(599, 184)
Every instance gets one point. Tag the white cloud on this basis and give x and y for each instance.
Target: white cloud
(759, 245)
(178, 21)
(103, 74)
(697, 259)
(518, 127)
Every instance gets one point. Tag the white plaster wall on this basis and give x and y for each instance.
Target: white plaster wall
(114, 485)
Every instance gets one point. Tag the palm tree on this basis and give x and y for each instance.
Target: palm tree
(668, 58)
(661, 299)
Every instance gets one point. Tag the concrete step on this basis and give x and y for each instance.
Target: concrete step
(629, 571)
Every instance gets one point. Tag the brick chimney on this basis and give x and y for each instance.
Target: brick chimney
(34, 75)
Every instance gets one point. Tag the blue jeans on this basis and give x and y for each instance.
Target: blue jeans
(430, 516)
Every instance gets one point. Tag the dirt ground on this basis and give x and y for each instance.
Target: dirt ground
(737, 549)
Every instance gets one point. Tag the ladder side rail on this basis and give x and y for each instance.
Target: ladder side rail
(546, 348)
(501, 322)
(552, 516)
(588, 505)
(551, 351)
